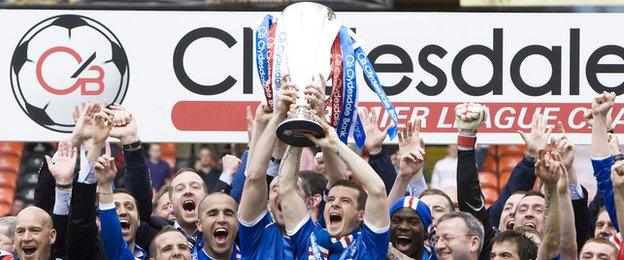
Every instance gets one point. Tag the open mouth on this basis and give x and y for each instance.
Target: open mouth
(220, 235)
(403, 243)
(188, 205)
(29, 250)
(125, 224)
(334, 218)
(510, 225)
(529, 225)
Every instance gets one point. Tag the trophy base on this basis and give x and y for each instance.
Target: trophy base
(293, 131)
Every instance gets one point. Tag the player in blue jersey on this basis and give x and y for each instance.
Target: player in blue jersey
(261, 230)
(218, 224)
(357, 220)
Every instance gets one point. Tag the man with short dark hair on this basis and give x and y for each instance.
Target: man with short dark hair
(34, 234)
(219, 226)
(169, 243)
(513, 245)
(459, 236)
(439, 203)
(604, 227)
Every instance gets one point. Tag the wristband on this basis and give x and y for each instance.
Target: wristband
(466, 141)
(64, 186)
(276, 160)
(618, 157)
(132, 146)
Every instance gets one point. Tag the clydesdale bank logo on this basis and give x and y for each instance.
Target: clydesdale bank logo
(64, 61)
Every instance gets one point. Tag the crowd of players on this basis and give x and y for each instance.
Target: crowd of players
(263, 207)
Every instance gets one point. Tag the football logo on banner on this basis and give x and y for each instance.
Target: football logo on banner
(64, 61)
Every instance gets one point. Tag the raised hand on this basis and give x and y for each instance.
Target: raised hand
(263, 114)
(374, 136)
(102, 126)
(124, 125)
(564, 147)
(617, 174)
(82, 116)
(64, 163)
(602, 104)
(230, 164)
(538, 138)
(330, 139)
(105, 169)
(315, 97)
(469, 116)
(411, 153)
(547, 169)
(564, 178)
(286, 97)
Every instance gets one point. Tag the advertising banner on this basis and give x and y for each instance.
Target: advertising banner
(189, 76)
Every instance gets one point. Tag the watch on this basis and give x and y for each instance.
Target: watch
(132, 146)
(618, 157)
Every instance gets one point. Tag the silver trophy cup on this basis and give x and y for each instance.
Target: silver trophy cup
(310, 30)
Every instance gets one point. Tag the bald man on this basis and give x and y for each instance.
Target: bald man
(34, 234)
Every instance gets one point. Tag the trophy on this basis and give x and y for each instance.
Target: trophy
(309, 30)
(306, 42)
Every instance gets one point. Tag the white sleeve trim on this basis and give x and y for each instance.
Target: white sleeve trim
(303, 221)
(376, 230)
(108, 206)
(600, 158)
(255, 221)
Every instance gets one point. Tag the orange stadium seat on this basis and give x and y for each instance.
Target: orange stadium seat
(168, 149)
(503, 178)
(8, 179)
(5, 209)
(12, 148)
(488, 179)
(7, 195)
(492, 151)
(508, 162)
(490, 195)
(504, 150)
(490, 164)
(10, 162)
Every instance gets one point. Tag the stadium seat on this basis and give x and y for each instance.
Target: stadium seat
(504, 150)
(7, 195)
(32, 164)
(490, 195)
(492, 151)
(12, 148)
(488, 179)
(168, 149)
(28, 180)
(508, 162)
(503, 178)
(27, 194)
(490, 164)
(5, 209)
(10, 162)
(8, 179)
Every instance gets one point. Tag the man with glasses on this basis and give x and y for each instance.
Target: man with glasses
(459, 236)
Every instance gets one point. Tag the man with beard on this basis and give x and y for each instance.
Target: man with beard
(218, 224)
(34, 234)
(187, 190)
(169, 243)
(357, 220)
(410, 219)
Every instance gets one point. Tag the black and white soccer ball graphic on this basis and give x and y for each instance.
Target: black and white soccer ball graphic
(64, 61)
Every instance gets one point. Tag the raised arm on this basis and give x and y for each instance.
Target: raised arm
(469, 117)
(412, 156)
(601, 157)
(548, 170)
(376, 208)
(293, 207)
(379, 160)
(567, 250)
(254, 197)
(617, 178)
